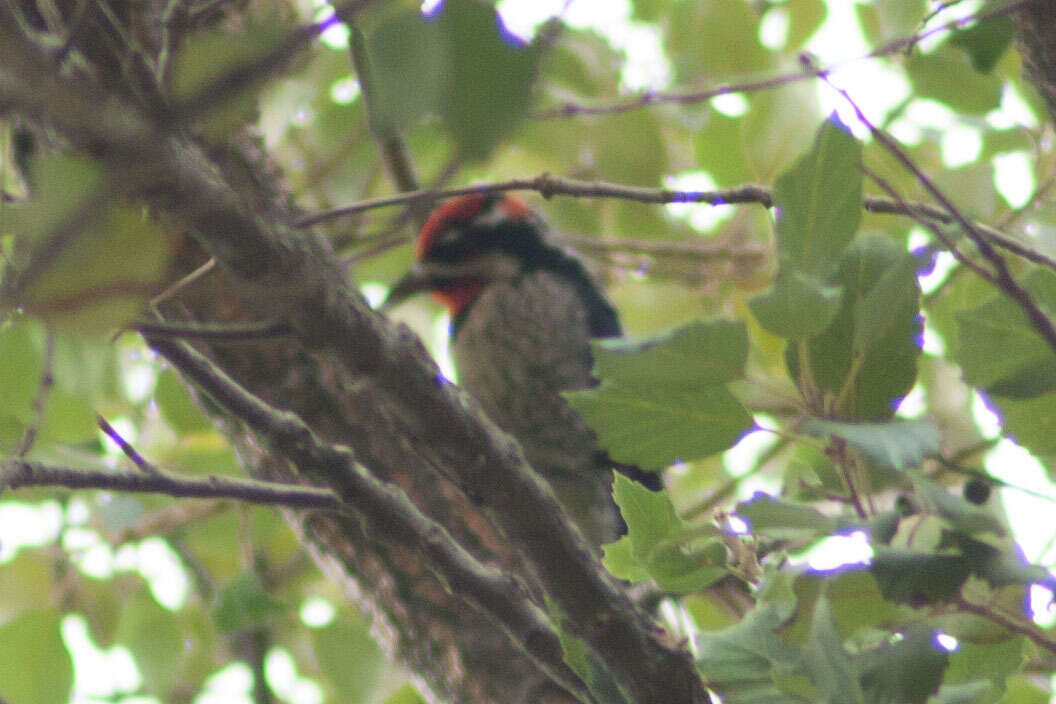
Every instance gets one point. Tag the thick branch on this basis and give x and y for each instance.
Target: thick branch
(300, 277)
(1034, 24)
(388, 509)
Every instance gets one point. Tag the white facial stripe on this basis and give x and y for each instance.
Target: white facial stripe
(491, 266)
(494, 215)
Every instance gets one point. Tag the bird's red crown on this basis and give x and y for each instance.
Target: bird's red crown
(463, 209)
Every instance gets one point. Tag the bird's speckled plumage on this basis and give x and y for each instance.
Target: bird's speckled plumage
(519, 345)
(523, 313)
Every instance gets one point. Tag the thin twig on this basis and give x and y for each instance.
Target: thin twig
(1003, 277)
(183, 283)
(931, 225)
(690, 97)
(244, 75)
(215, 333)
(21, 473)
(1015, 625)
(126, 447)
(549, 185)
(837, 452)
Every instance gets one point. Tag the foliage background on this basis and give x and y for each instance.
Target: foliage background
(455, 101)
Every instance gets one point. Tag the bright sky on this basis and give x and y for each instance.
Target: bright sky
(112, 673)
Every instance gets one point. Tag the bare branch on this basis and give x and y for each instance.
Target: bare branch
(690, 97)
(1003, 277)
(1013, 624)
(126, 447)
(215, 333)
(248, 74)
(21, 473)
(549, 185)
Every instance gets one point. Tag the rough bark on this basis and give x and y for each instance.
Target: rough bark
(356, 380)
(1034, 25)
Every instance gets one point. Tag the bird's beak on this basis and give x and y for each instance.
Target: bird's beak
(415, 281)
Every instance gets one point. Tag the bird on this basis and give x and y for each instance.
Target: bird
(523, 312)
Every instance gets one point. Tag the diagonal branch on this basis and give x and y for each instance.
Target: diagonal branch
(297, 274)
(388, 509)
(1002, 276)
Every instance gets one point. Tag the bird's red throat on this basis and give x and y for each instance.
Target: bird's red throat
(457, 296)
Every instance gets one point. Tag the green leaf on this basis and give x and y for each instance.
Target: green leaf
(630, 148)
(581, 62)
(655, 546)
(777, 130)
(103, 277)
(985, 42)
(677, 569)
(898, 444)
(488, 76)
(655, 428)
(1023, 688)
(961, 514)
(991, 663)
(120, 512)
(831, 667)
(719, 149)
(884, 308)
(176, 406)
(242, 603)
(1031, 422)
(917, 578)
(406, 694)
(747, 653)
(350, 658)
(885, 19)
(731, 49)
(650, 515)
(967, 693)
(783, 520)
(663, 399)
(25, 582)
(998, 348)
(855, 602)
(61, 183)
(797, 305)
(407, 67)
(947, 75)
(36, 668)
(619, 559)
(906, 671)
(68, 419)
(154, 637)
(819, 201)
(877, 378)
(22, 352)
(700, 354)
(805, 16)
(208, 55)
